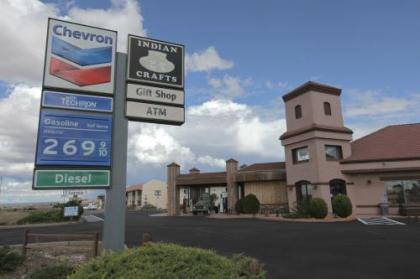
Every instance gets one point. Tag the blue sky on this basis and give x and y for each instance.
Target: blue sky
(242, 56)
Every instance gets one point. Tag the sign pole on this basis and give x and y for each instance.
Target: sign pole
(115, 206)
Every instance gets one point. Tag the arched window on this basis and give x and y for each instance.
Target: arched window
(327, 108)
(337, 186)
(304, 190)
(298, 111)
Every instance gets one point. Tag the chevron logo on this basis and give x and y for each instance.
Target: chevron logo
(83, 74)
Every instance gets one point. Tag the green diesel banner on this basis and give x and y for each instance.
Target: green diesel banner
(49, 179)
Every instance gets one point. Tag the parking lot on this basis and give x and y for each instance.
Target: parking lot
(288, 249)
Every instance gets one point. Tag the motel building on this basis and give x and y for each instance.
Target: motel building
(321, 160)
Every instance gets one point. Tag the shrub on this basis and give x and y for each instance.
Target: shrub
(303, 209)
(52, 272)
(42, 217)
(251, 205)
(9, 259)
(342, 206)
(318, 208)
(239, 206)
(160, 260)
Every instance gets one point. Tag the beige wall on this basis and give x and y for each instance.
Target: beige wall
(313, 110)
(150, 196)
(268, 192)
(134, 198)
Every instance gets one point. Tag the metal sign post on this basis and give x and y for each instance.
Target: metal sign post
(115, 207)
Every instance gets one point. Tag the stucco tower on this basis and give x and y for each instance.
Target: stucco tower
(315, 141)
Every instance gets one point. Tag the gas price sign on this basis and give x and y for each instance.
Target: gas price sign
(74, 139)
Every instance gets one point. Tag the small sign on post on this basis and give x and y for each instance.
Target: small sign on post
(71, 211)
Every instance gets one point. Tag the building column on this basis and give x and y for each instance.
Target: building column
(232, 189)
(173, 170)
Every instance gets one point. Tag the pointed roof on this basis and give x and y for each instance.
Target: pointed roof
(311, 86)
(392, 143)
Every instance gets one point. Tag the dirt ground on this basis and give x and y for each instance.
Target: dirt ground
(10, 217)
(49, 254)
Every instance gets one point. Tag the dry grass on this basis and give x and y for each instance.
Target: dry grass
(10, 217)
(49, 254)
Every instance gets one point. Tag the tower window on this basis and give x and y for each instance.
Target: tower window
(298, 111)
(300, 154)
(333, 152)
(327, 108)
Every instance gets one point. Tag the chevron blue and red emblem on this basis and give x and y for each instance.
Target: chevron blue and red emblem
(83, 74)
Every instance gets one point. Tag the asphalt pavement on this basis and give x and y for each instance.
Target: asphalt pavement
(288, 249)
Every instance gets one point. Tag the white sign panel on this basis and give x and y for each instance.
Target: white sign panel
(71, 211)
(155, 94)
(79, 57)
(155, 113)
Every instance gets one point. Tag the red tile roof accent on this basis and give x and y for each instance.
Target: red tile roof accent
(392, 143)
(311, 86)
(265, 167)
(136, 187)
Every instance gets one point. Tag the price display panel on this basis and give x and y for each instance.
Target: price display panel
(74, 139)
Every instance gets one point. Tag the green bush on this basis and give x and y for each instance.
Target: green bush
(239, 206)
(42, 217)
(9, 259)
(251, 205)
(318, 208)
(172, 261)
(52, 272)
(303, 208)
(342, 206)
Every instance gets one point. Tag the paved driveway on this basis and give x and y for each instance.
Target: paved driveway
(289, 250)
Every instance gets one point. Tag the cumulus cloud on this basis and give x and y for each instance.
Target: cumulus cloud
(229, 86)
(23, 28)
(213, 162)
(206, 60)
(273, 85)
(152, 144)
(124, 16)
(370, 103)
(18, 127)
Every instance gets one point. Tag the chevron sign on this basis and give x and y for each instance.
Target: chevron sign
(80, 57)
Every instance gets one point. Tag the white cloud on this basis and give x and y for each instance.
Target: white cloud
(371, 103)
(23, 28)
(19, 121)
(213, 162)
(152, 144)
(272, 85)
(206, 60)
(124, 16)
(217, 107)
(229, 87)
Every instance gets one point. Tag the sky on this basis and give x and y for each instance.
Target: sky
(241, 57)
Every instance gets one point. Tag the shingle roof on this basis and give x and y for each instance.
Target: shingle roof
(203, 178)
(396, 142)
(135, 187)
(265, 167)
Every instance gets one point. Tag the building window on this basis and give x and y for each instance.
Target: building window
(300, 154)
(304, 191)
(157, 193)
(298, 111)
(327, 108)
(403, 191)
(333, 152)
